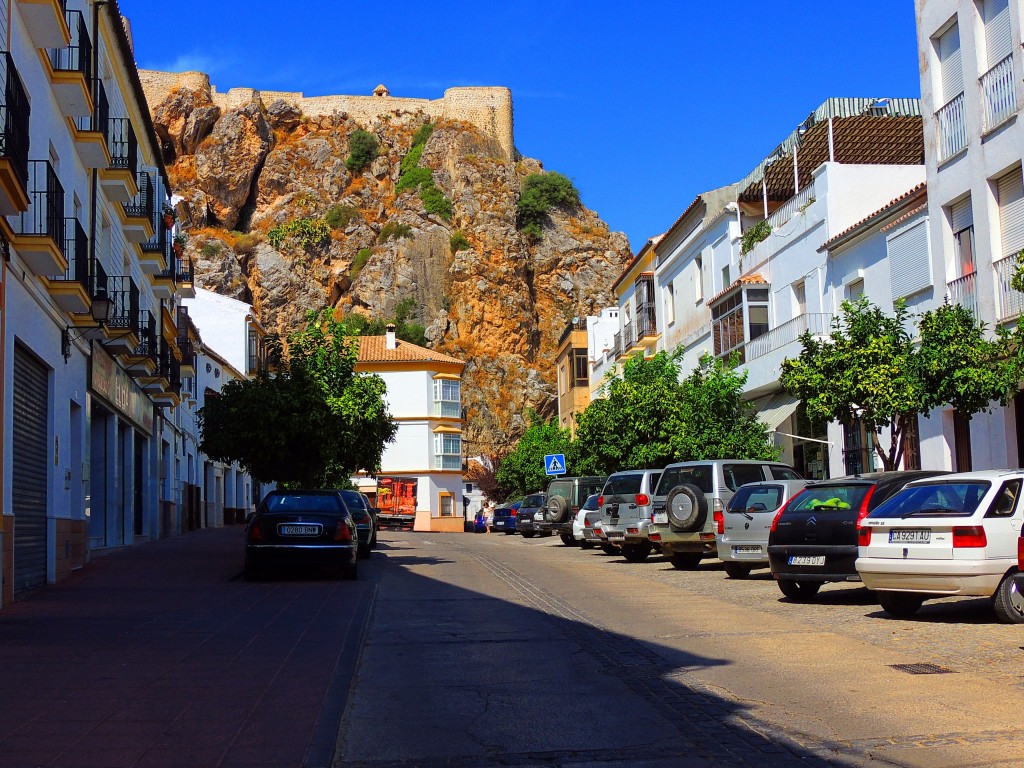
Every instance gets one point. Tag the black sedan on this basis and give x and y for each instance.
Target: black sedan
(366, 520)
(301, 528)
(813, 539)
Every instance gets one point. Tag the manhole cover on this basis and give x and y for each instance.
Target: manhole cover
(922, 669)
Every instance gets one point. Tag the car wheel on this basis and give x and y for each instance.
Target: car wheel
(558, 509)
(350, 571)
(687, 508)
(567, 539)
(363, 551)
(636, 553)
(529, 534)
(373, 541)
(608, 549)
(900, 604)
(686, 561)
(584, 544)
(737, 571)
(800, 591)
(1008, 602)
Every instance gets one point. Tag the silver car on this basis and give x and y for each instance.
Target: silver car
(626, 509)
(742, 536)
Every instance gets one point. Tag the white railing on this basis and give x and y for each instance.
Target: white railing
(789, 209)
(998, 93)
(962, 291)
(818, 324)
(952, 128)
(1009, 303)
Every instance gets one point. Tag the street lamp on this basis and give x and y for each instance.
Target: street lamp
(100, 309)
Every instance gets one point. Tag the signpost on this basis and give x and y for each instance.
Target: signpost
(554, 464)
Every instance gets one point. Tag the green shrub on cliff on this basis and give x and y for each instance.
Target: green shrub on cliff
(540, 193)
(362, 150)
(340, 216)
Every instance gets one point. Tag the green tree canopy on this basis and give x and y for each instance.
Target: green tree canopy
(405, 326)
(522, 470)
(313, 422)
(869, 368)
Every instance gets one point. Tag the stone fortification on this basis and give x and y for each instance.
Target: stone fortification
(489, 109)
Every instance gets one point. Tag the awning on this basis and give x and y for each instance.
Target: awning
(777, 409)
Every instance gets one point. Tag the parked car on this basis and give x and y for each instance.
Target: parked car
(527, 522)
(742, 535)
(565, 496)
(365, 518)
(301, 528)
(813, 540)
(951, 535)
(583, 524)
(626, 508)
(688, 495)
(505, 518)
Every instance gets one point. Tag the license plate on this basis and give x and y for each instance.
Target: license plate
(747, 549)
(807, 560)
(909, 536)
(661, 517)
(300, 530)
(499, 523)
(616, 535)
(538, 516)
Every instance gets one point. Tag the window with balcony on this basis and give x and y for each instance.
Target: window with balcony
(580, 368)
(737, 319)
(447, 397)
(254, 351)
(856, 455)
(952, 127)
(1010, 197)
(998, 85)
(912, 445)
(646, 323)
(447, 450)
(962, 222)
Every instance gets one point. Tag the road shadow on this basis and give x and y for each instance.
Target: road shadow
(966, 611)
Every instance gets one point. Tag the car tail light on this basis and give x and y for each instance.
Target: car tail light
(342, 532)
(782, 509)
(1020, 553)
(600, 500)
(642, 499)
(718, 506)
(864, 536)
(586, 523)
(256, 531)
(719, 521)
(965, 536)
(632, 530)
(655, 537)
(863, 511)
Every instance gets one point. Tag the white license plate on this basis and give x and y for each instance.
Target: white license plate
(661, 518)
(499, 523)
(807, 560)
(538, 516)
(300, 530)
(909, 536)
(747, 549)
(616, 535)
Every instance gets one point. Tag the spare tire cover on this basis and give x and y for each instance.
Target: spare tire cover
(558, 509)
(687, 508)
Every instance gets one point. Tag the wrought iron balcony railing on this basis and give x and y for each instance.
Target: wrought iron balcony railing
(122, 143)
(1009, 302)
(141, 206)
(158, 243)
(124, 313)
(147, 336)
(45, 214)
(14, 115)
(76, 250)
(99, 120)
(76, 57)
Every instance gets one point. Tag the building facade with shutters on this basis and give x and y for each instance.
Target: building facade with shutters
(425, 461)
(972, 73)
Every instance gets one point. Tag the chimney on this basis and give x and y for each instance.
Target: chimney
(389, 337)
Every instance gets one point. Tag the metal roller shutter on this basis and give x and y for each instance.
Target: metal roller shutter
(998, 38)
(950, 64)
(909, 260)
(1011, 212)
(961, 216)
(28, 482)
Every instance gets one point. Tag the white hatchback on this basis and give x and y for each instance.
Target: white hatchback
(584, 522)
(946, 535)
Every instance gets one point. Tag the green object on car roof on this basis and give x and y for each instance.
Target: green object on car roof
(833, 503)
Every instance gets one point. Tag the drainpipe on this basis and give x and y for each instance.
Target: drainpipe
(93, 191)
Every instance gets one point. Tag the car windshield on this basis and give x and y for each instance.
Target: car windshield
(302, 503)
(699, 475)
(757, 498)
(934, 500)
(590, 505)
(536, 500)
(353, 499)
(830, 497)
(784, 473)
(624, 484)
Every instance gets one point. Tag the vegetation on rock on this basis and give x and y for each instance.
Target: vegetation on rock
(359, 262)
(340, 216)
(415, 177)
(362, 150)
(394, 230)
(405, 328)
(309, 231)
(540, 193)
(458, 241)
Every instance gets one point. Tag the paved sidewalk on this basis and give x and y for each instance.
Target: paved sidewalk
(161, 655)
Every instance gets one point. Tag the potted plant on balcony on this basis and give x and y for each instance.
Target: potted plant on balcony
(170, 216)
(179, 244)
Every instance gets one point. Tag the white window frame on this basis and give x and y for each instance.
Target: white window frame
(444, 404)
(448, 450)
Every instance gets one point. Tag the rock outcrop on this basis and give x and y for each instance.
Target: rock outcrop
(500, 303)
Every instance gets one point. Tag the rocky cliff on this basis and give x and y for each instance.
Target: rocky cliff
(275, 218)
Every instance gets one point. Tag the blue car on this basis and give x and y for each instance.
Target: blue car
(505, 518)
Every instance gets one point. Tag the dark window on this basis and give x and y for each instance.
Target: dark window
(962, 442)
(537, 500)
(757, 498)
(353, 500)
(303, 503)
(581, 368)
(784, 473)
(741, 474)
(624, 484)
(912, 445)
(699, 475)
(1006, 500)
(830, 497)
(855, 453)
(934, 499)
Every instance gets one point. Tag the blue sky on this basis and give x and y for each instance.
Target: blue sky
(643, 105)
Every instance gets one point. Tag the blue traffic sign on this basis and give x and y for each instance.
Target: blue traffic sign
(554, 464)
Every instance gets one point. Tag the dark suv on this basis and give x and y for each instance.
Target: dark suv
(565, 497)
(813, 539)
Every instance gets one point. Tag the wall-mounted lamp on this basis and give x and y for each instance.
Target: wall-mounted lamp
(101, 307)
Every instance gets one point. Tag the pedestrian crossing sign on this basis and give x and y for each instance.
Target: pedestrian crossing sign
(554, 464)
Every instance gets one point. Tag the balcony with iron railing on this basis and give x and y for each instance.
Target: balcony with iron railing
(123, 325)
(951, 124)
(646, 322)
(39, 231)
(963, 291)
(14, 135)
(71, 69)
(119, 179)
(46, 22)
(73, 290)
(139, 211)
(92, 133)
(185, 278)
(141, 361)
(1009, 301)
(999, 96)
(762, 356)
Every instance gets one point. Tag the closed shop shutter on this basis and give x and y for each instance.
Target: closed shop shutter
(28, 481)
(961, 216)
(1011, 212)
(909, 262)
(998, 39)
(950, 64)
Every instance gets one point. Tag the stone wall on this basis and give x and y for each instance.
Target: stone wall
(487, 108)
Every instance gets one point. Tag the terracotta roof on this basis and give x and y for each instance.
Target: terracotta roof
(920, 189)
(651, 242)
(373, 349)
(754, 278)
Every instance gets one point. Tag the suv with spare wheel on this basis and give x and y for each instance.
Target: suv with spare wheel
(691, 497)
(565, 497)
(626, 511)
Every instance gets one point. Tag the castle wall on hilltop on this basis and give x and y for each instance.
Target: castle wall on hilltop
(487, 108)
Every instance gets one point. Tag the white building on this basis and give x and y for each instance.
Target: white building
(971, 88)
(424, 397)
(231, 328)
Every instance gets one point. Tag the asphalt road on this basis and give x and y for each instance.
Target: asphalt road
(489, 650)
